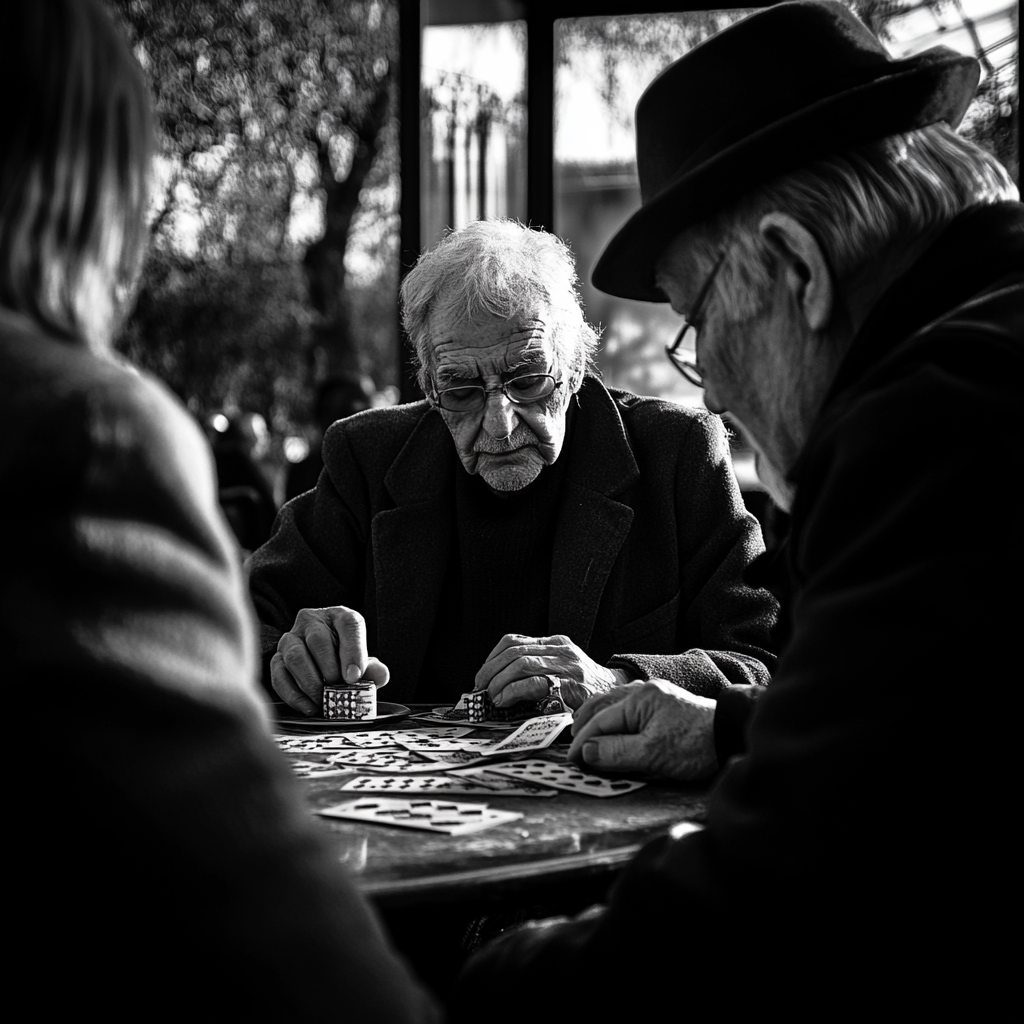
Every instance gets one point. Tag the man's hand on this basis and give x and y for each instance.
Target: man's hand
(654, 727)
(326, 645)
(519, 666)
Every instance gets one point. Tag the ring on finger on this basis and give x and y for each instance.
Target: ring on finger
(553, 703)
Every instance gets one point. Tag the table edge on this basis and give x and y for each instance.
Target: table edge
(439, 886)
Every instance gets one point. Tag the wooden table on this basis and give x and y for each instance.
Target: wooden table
(567, 841)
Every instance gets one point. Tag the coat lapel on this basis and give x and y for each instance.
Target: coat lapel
(411, 544)
(592, 525)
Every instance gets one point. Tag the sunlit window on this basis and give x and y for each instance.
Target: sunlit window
(473, 142)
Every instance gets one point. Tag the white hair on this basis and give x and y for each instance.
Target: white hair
(500, 268)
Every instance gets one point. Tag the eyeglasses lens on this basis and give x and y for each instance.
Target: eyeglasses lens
(532, 387)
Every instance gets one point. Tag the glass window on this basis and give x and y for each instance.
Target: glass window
(473, 141)
(602, 65)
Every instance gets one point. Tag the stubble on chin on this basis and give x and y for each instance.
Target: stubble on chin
(511, 474)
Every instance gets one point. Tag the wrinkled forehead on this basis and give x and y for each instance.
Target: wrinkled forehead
(487, 344)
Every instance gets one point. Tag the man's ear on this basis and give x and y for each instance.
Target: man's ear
(804, 264)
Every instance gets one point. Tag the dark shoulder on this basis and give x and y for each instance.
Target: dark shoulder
(376, 435)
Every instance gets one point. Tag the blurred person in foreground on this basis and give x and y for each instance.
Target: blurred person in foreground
(524, 529)
(853, 272)
(168, 863)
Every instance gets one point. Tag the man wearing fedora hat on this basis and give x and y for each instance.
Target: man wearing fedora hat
(851, 274)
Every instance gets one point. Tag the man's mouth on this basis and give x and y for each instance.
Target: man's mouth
(498, 452)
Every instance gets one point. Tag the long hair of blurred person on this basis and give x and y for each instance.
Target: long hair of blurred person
(77, 144)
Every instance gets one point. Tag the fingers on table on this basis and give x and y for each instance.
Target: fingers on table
(513, 645)
(592, 705)
(523, 659)
(611, 720)
(613, 753)
(513, 690)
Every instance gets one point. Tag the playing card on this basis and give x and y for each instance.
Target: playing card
(316, 769)
(533, 734)
(368, 739)
(449, 714)
(393, 760)
(455, 819)
(565, 776)
(415, 741)
(478, 785)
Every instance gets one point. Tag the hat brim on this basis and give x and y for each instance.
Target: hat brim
(901, 102)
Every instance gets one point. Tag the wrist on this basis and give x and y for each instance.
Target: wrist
(623, 676)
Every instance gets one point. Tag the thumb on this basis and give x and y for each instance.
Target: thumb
(620, 753)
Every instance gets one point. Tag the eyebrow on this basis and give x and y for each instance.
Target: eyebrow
(441, 377)
(527, 363)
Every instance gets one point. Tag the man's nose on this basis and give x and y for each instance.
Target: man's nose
(500, 417)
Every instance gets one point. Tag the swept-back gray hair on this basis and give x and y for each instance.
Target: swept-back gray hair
(504, 269)
(859, 205)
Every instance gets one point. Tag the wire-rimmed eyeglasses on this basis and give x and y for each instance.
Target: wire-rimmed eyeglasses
(686, 340)
(523, 390)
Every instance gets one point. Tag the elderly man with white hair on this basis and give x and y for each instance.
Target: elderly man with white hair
(851, 274)
(523, 529)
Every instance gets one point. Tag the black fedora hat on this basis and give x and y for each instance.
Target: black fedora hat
(783, 87)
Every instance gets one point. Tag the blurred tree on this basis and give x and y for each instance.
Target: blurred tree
(275, 210)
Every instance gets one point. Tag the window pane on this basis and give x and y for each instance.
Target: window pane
(602, 65)
(473, 141)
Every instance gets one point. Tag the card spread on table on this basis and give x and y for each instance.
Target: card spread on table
(414, 741)
(447, 816)
(369, 739)
(479, 785)
(565, 776)
(392, 760)
(451, 714)
(315, 769)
